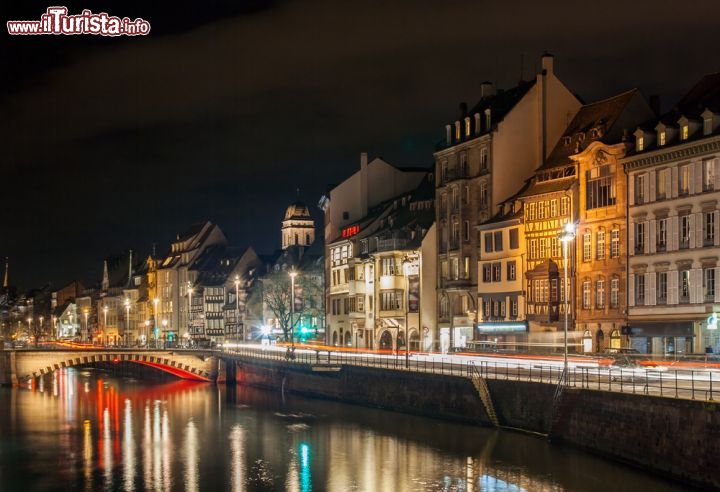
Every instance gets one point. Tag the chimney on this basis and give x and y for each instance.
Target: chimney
(363, 184)
(547, 61)
(463, 110)
(486, 89)
(655, 104)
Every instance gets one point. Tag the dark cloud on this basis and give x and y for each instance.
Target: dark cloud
(229, 106)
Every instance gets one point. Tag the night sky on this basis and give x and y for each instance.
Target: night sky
(228, 106)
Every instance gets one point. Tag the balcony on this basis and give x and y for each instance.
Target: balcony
(391, 244)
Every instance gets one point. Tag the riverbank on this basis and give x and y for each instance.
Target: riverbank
(657, 434)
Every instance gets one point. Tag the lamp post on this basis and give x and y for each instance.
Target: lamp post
(164, 325)
(41, 324)
(127, 319)
(87, 328)
(155, 325)
(105, 311)
(190, 293)
(145, 335)
(567, 235)
(237, 308)
(293, 274)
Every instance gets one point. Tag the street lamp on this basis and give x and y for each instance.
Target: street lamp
(87, 328)
(155, 326)
(237, 307)
(105, 310)
(164, 325)
(567, 235)
(145, 335)
(293, 274)
(190, 293)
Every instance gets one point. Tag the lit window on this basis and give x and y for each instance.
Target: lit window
(614, 243)
(640, 144)
(467, 127)
(587, 247)
(661, 138)
(685, 132)
(708, 174)
(640, 289)
(600, 247)
(684, 181)
(586, 295)
(614, 292)
(600, 294)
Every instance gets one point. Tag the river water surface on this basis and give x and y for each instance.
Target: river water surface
(86, 430)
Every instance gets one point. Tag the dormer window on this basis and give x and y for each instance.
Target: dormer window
(457, 130)
(488, 119)
(684, 132)
(640, 143)
(477, 123)
(707, 125)
(567, 141)
(661, 138)
(467, 127)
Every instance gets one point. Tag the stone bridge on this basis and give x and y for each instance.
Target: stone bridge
(19, 366)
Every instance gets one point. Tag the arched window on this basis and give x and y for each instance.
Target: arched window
(600, 337)
(335, 338)
(615, 339)
(386, 340)
(587, 341)
(296, 239)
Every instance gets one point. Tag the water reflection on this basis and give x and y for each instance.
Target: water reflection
(122, 434)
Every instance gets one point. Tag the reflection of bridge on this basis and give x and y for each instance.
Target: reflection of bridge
(18, 366)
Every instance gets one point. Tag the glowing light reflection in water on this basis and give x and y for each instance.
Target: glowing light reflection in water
(118, 434)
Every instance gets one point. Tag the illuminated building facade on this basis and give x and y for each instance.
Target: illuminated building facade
(674, 241)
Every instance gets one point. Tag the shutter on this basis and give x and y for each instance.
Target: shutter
(631, 290)
(672, 287)
(631, 189)
(652, 177)
(675, 236)
(650, 289)
(695, 286)
(716, 232)
(691, 179)
(674, 186)
(646, 188)
(717, 275)
(699, 230)
(652, 240)
(698, 177)
(691, 233)
(716, 184)
(631, 238)
(646, 248)
(668, 183)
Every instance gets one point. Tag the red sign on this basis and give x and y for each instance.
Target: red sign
(350, 231)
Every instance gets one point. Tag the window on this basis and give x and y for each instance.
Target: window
(514, 239)
(614, 292)
(684, 291)
(497, 272)
(487, 272)
(444, 271)
(662, 234)
(564, 205)
(587, 247)
(455, 234)
(662, 288)
(600, 245)
(661, 138)
(707, 126)
(600, 187)
(586, 294)
(455, 268)
(640, 188)
(684, 132)
(467, 127)
(640, 143)
(466, 267)
(467, 230)
(640, 289)
(533, 249)
(543, 248)
(457, 130)
(553, 208)
(513, 308)
(600, 294)
(532, 208)
(684, 232)
(488, 238)
(684, 180)
(463, 164)
(391, 300)
(444, 171)
(483, 158)
(554, 247)
(708, 174)
(389, 267)
(709, 230)
(498, 241)
(455, 198)
(614, 243)
(541, 210)
(661, 185)
(466, 195)
(709, 284)
(511, 270)
(483, 195)
(640, 237)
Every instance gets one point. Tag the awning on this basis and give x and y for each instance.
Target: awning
(661, 329)
(502, 328)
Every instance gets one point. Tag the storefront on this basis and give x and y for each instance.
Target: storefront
(501, 336)
(462, 332)
(662, 337)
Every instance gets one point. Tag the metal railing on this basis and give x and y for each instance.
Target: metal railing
(685, 384)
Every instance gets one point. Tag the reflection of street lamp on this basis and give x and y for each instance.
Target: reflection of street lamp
(293, 274)
(567, 235)
(237, 307)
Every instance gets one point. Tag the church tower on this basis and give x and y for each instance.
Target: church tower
(298, 228)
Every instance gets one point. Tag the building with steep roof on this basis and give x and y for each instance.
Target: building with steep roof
(487, 153)
(674, 223)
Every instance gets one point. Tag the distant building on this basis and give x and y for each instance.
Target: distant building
(674, 226)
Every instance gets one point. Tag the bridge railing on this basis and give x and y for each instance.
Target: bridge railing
(685, 384)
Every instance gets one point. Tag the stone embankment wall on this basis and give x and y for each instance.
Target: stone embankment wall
(677, 438)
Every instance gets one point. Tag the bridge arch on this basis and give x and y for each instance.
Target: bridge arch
(183, 366)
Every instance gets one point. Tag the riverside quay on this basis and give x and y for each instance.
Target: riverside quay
(381, 247)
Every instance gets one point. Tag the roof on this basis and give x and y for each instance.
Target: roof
(601, 115)
(499, 104)
(544, 187)
(297, 210)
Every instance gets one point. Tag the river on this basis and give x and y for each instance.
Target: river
(86, 430)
